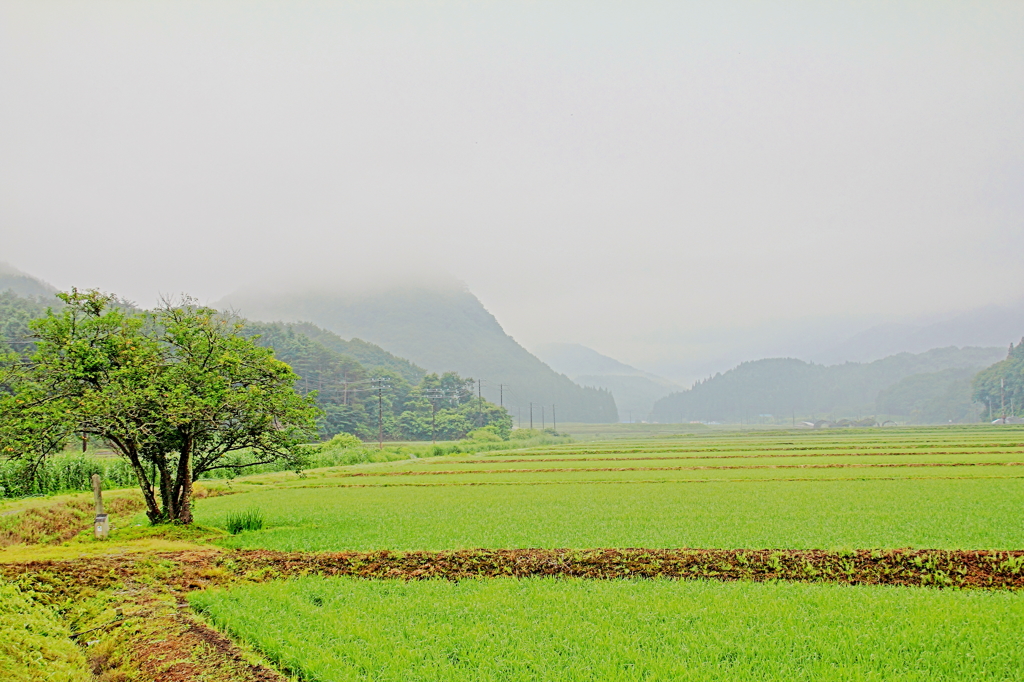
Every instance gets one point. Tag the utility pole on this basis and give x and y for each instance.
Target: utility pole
(1002, 397)
(433, 395)
(531, 416)
(554, 419)
(480, 403)
(543, 423)
(380, 384)
(501, 395)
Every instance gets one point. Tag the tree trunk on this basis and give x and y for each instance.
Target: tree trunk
(129, 452)
(166, 483)
(183, 484)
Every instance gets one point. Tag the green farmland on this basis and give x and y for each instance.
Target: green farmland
(952, 494)
(549, 629)
(937, 488)
(925, 488)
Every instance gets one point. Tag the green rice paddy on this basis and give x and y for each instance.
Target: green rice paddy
(549, 629)
(942, 488)
(964, 491)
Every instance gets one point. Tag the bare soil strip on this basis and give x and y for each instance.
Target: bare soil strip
(986, 569)
(754, 455)
(670, 481)
(539, 470)
(923, 448)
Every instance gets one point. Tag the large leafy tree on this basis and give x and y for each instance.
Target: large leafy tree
(174, 392)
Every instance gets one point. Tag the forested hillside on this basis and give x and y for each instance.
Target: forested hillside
(784, 387)
(1000, 388)
(410, 404)
(932, 398)
(15, 313)
(368, 354)
(22, 284)
(440, 328)
(443, 406)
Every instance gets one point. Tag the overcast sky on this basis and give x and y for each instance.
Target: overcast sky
(633, 176)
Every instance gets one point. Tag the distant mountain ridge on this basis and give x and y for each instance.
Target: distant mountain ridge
(23, 284)
(985, 326)
(439, 327)
(786, 386)
(635, 390)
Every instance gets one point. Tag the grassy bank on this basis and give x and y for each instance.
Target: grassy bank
(34, 642)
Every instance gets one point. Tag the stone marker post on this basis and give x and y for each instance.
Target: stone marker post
(102, 524)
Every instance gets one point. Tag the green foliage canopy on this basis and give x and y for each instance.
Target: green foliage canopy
(173, 391)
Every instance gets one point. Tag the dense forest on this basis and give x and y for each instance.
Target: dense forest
(362, 399)
(379, 392)
(785, 387)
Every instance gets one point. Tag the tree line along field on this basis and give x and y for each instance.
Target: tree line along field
(808, 554)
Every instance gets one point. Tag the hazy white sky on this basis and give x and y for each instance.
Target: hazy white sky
(633, 176)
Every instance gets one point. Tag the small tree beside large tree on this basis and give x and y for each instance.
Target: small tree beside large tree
(176, 392)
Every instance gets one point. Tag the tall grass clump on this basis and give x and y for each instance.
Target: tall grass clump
(247, 519)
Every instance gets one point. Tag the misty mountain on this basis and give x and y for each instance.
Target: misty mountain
(985, 326)
(635, 390)
(831, 339)
(23, 284)
(785, 386)
(440, 327)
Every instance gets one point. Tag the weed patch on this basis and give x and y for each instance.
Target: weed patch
(247, 519)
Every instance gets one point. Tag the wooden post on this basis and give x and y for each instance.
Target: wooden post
(102, 524)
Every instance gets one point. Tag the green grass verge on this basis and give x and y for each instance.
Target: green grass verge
(565, 629)
(34, 644)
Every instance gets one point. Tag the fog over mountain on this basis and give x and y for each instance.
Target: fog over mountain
(440, 325)
(684, 186)
(22, 283)
(635, 390)
(830, 340)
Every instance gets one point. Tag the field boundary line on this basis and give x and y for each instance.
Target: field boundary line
(958, 569)
(482, 460)
(456, 472)
(657, 480)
